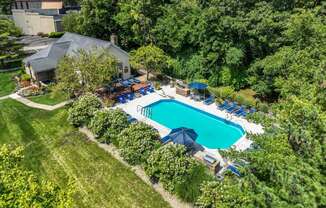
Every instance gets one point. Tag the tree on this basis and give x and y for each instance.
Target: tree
(107, 124)
(136, 18)
(96, 18)
(86, 71)
(149, 58)
(9, 48)
(169, 164)
(137, 142)
(5, 6)
(20, 188)
(83, 110)
(223, 194)
(70, 22)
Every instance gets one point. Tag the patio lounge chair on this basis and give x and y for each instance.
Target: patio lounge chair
(234, 170)
(130, 96)
(224, 105)
(142, 91)
(126, 83)
(131, 119)
(165, 139)
(252, 110)
(209, 100)
(239, 111)
(121, 99)
(232, 107)
(150, 89)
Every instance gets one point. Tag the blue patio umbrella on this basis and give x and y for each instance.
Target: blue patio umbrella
(182, 135)
(197, 86)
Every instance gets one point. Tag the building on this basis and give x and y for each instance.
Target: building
(40, 16)
(36, 21)
(42, 65)
(37, 4)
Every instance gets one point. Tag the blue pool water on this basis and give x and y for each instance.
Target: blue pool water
(213, 132)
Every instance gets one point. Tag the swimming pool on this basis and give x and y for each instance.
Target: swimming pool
(213, 132)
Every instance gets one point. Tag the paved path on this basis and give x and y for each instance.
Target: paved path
(32, 104)
(171, 199)
(4, 97)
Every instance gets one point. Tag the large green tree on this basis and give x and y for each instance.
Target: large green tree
(86, 71)
(149, 58)
(9, 48)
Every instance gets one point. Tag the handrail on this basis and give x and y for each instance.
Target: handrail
(145, 111)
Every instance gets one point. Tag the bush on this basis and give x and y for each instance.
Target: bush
(25, 77)
(169, 164)
(108, 102)
(222, 92)
(100, 122)
(188, 190)
(244, 98)
(137, 142)
(263, 107)
(107, 124)
(56, 34)
(83, 110)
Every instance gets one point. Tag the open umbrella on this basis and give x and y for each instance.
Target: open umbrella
(182, 135)
(197, 86)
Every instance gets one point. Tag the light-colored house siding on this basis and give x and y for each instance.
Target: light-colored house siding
(33, 23)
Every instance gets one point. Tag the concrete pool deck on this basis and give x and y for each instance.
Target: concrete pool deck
(133, 107)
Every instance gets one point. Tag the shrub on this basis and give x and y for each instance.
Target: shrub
(245, 99)
(100, 122)
(56, 34)
(83, 110)
(169, 164)
(25, 77)
(107, 124)
(108, 102)
(229, 193)
(188, 190)
(263, 107)
(137, 142)
(222, 92)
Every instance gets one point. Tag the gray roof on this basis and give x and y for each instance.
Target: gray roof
(69, 44)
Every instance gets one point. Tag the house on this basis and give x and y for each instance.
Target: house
(37, 4)
(40, 16)
(36, 21)
(42, 65)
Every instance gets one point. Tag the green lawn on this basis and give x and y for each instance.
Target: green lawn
(7, 85)
(49, 98)
(55, 151)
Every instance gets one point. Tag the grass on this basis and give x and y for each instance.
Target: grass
(7, 85)
(49, 98)
(56, 151)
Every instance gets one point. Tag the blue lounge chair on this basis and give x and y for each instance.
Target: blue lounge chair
(232, 107)
(166, 139)
(130, 96)
(150, 89)
(131, 119)
(126, 83)
(209, 100)
(223, 105)
(239, 111)
(121, 99)
(234, 170)
(142, 91)
(252, 110)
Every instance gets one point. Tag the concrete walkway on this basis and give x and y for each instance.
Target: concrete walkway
(32, 104)
(4, 97)
(171, 199)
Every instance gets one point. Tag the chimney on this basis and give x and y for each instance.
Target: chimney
(114, 39)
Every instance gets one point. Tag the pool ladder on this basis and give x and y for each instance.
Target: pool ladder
(145, 111)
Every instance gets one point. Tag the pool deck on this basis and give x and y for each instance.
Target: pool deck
(132, 108)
